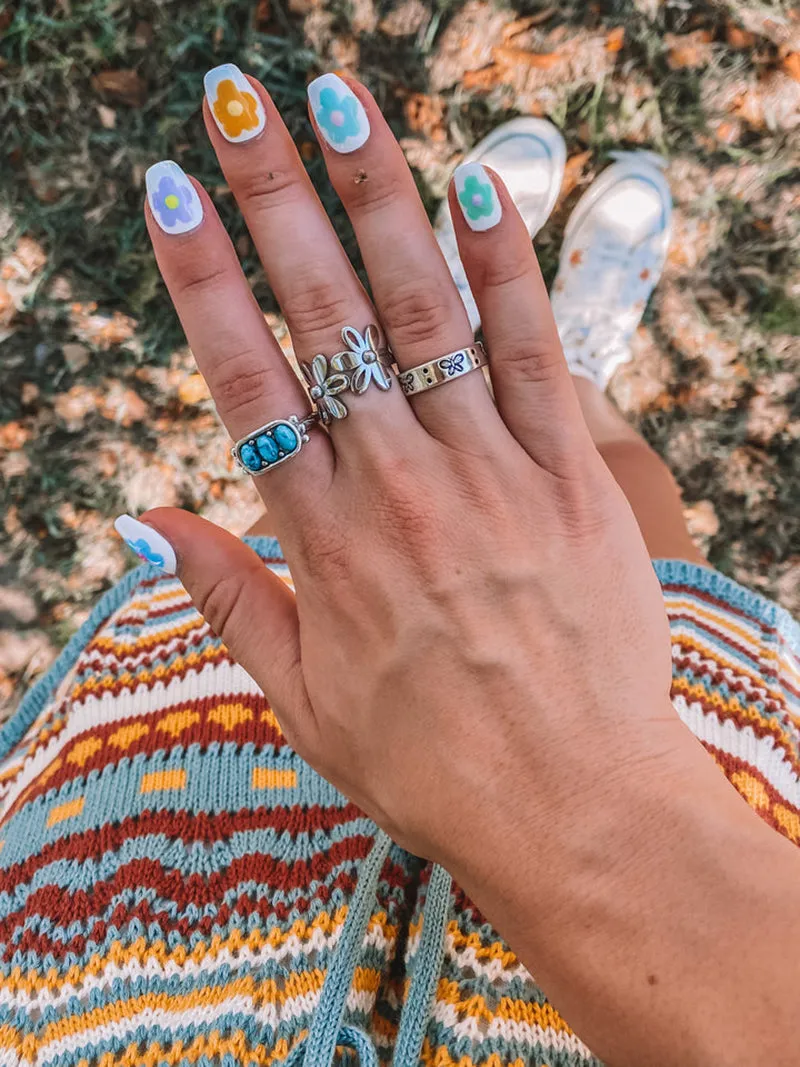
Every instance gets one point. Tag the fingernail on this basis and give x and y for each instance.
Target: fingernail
(147, 543)
(237, 110)
(338, 113)
(477, 196)
(173, 199)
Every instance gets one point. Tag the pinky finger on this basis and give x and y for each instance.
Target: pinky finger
(532, 385)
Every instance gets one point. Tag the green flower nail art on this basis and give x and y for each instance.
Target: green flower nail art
(476, 198)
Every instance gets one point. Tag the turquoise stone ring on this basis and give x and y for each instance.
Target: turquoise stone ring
(272, 444)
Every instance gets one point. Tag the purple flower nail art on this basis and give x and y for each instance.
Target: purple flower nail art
(173, 200)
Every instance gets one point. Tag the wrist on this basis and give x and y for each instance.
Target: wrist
(637, 915)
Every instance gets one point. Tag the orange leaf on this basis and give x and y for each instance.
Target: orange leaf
(193, 389)
(791, 64)
(615, 39)
(125, 86)
(537, 60)
(690, 50)
(739, 38)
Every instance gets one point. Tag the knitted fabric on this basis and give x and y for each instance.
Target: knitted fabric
(175, 880)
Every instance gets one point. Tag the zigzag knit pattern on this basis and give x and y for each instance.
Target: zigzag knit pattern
(174, 879)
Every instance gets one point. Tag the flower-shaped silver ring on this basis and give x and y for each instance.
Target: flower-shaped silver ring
(363, 362)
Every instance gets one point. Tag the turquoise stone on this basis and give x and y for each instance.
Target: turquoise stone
(286, 437)
(249, 457)
(267, 447)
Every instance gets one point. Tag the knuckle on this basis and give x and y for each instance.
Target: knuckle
(221, 603)
(316, 306)
(419, 311)
(241, 379)
(262, 190)
(366, 193)
(532, 360)
(505, 270)
(197, 279)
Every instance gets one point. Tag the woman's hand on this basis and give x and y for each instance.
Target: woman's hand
(478, 652)
(474, 600)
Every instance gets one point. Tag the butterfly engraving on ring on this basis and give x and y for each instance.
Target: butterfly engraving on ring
(454, 364)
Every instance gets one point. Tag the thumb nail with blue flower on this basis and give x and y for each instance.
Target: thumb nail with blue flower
(338, 113)
(148, 544)
(173, 199)
(477, 196)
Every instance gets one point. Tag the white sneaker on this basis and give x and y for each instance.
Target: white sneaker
(615, 245)
(529, 155)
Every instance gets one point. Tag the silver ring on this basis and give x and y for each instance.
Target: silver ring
(444, 369)
(273, 443)
(362, 363)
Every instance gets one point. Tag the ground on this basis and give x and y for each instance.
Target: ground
(100, 407)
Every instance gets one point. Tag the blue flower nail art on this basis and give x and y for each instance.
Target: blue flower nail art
(143, 550)
(147, 543)
(338, 115)
(341, 119)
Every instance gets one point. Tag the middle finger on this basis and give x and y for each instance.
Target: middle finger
(306, 266)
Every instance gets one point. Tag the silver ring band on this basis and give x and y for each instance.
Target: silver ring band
(363, 362)
(273, 443)
(444, 369)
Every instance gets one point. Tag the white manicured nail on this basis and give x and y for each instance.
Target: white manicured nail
(338, 113)
(237, 110)
(477, 196)
(173, 200)
(147, 543)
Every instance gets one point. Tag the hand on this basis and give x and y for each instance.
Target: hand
(477, 653)
(472, 590)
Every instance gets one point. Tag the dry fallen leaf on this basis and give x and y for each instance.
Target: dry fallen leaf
(76, 356)
(124, 86)
(193, 390)
(689, 50)
(615, 39)
(573, 171)
(425, 114)
(791, 64)
(739, 38)
(7, 307)
(537, 60)
(13, 436)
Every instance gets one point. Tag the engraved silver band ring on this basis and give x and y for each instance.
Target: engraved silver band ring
(443, 369)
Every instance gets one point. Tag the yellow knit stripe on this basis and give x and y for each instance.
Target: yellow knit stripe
(99, 685)
(723, 620)
(519, 1011)
(736, 708)
(142, 951)
(494, 950)
(442, 1058)
(296, 984)
(713, 653)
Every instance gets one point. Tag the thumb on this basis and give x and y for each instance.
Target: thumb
(251, 609)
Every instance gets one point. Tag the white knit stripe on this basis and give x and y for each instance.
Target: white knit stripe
(507, 1030)
(753, 690)
(245, 958)
(202, 1015)
(727, 653)
(493, 970)
(721, 617)
(117, 657)
(94, 711)
(762, 753)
